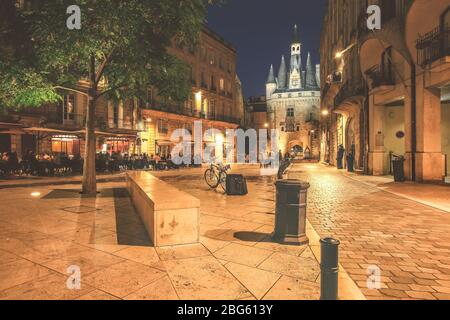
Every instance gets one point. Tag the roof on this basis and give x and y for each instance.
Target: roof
(219, 38)
(295, 36)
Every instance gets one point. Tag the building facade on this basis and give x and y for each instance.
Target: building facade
(56, 128)
(257, 112)
(133, 126)
(386, 91)
(293, 103)
(216, 98)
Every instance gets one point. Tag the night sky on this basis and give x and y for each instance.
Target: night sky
(261, 31)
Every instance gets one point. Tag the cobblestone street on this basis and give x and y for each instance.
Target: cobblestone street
(407, 240)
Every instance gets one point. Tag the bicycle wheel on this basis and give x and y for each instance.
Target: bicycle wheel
(223, 181)
(211, 179)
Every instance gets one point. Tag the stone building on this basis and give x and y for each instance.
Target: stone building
(133, 126)
(293, 103)
(257, 110)
(386, 91)
(216, 99)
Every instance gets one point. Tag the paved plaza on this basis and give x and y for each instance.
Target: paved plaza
(44, 230)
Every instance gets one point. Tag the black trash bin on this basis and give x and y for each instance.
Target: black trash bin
(399, 170)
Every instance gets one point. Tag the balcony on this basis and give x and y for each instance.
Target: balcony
(332, 85)
(382, 78)
(349, 93)
(180, 109)
(433, 46)
(70, 121)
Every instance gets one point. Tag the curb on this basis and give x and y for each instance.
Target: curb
(348, 290)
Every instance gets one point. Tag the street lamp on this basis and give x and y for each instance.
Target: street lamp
(325, 112)
(340, 54)
(266, 125)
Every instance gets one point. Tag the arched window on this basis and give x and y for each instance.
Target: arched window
(445, 19)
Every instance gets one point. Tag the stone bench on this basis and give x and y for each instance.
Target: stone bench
(171, 216)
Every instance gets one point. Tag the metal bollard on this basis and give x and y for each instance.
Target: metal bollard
(290, 216)
(329, 257)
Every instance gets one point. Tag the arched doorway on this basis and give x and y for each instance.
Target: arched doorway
(350, 140)
(295, 149)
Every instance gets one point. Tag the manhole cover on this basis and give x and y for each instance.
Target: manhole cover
(80, 209)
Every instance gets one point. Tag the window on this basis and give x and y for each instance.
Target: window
(203, 79)
(163, 126)
(188, 127)
(229, 87)
(445, 20)
(212, 59)
(192, 103)
(290, 127)
(386, 63)
(193, 77)
(212, 108)
(69, 107)
(290, 112)
(203, 53)
(213, 83)
(222, 84)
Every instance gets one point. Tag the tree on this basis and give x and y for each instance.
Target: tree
(121, 43)
(21, 85)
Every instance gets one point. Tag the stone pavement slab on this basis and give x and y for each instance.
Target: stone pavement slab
(40, 236)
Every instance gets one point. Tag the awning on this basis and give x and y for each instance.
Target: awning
(164, 142)
(11, 128)
(50, 130)
(78, 132)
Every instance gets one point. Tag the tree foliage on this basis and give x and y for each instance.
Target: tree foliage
(128, 38)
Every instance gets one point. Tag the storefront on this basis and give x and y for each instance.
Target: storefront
(68, 144)
(116, 144)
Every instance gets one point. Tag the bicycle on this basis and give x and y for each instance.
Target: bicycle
(216, 175)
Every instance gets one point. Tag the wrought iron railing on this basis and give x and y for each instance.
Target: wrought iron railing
(381, 75)
(433, 46)
(348, 90)
(69, 120)
(180, 109)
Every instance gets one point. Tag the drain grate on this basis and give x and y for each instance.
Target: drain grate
(80, 209)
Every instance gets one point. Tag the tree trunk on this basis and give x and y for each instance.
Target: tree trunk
(89, 174)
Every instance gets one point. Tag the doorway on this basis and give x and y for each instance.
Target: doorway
(5, 143)
(394, 135)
